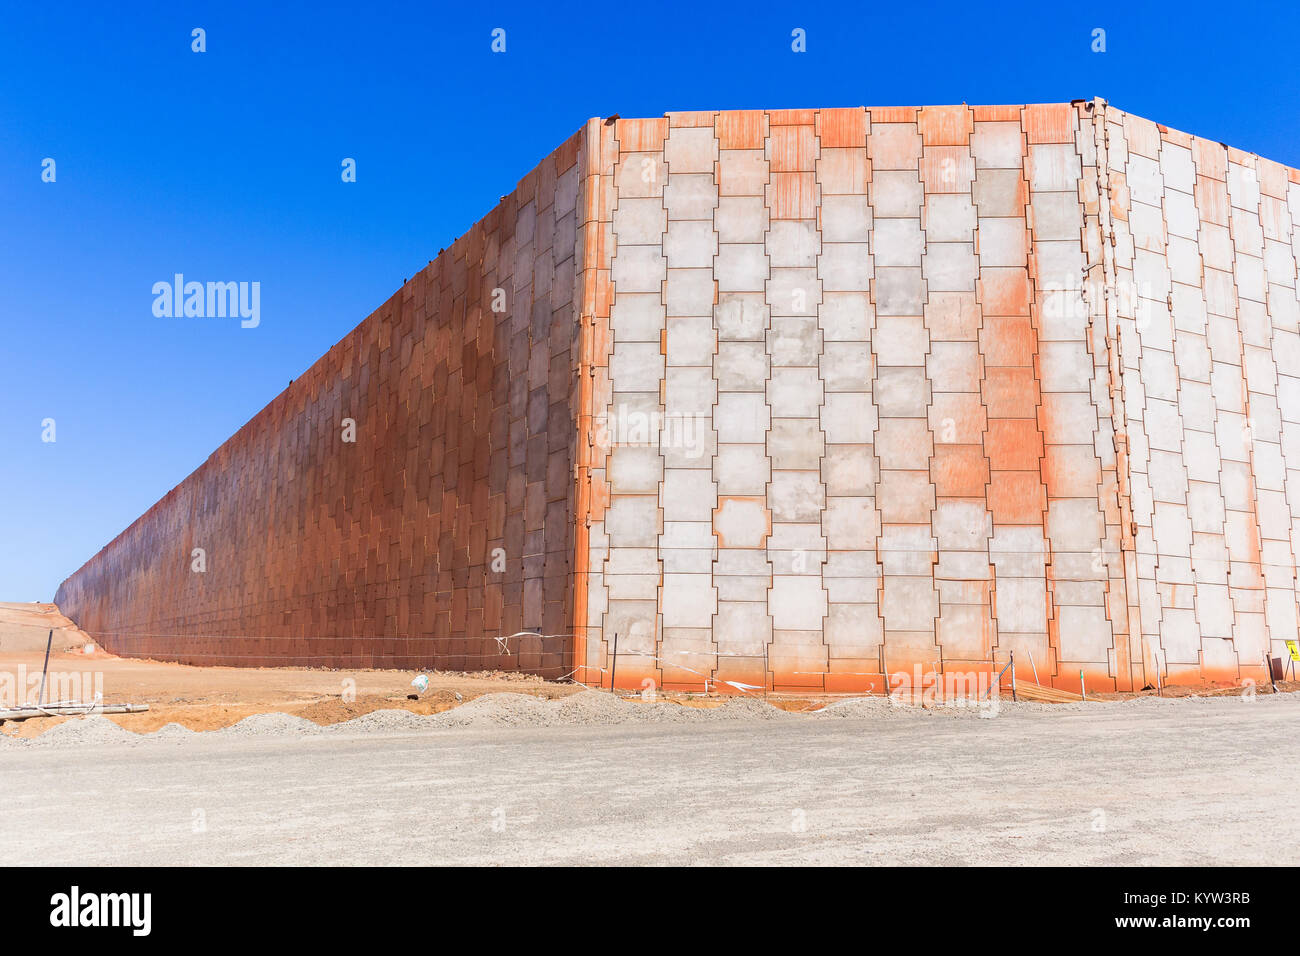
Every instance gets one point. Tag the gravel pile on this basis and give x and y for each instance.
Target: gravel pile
(84, 732)
(590, 708)
(382, 720)
(867, 708)
(172, 731)
(270, 725)
(497, 710)
(745, 708)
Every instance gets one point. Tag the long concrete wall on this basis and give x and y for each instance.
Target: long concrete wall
(382, 551)
(795, 398)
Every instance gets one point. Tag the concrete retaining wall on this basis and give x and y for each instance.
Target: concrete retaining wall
(797, 398)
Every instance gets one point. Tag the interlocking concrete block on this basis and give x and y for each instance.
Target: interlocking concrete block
(742, 469)
(845, 267)
(846, 317)
(689, 600)
(797, 602)
(794, 341)
(741, 317)
(999, 193)
(848, 418)
(903, 392)
(904, 443)
(742, 522)
(741, 267)
(849, 470)
(793, 243)
(905, 496)
(640, 221)
(742, 367)
(743, 627)
(796, 496)
(637, 317)
(691, 150)
(634, 470)
(741, 219)
(741, 418)
(854, 629)
(690, 196)
(949, 217)
(966, 632)
(898, 242)
(636, 623)
(909, 604)
(792, 444)
(637, 366)
(846, 366)
(999, 145)
(690, 291)
(690, 244)
(896, 194)
(639, 269)
(793, 392)
(846, 219)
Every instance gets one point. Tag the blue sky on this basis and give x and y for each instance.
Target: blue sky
(225, 165)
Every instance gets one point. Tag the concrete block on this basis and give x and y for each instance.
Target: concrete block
(742, 469)
(848, 418)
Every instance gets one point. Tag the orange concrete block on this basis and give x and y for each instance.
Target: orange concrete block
(1013, 444)
(892, 114)
(959, 471)
(946, 125)
(842, 128)
(741, 129)
(792, 149)
(1008, 342)
(1049, 123)
(793, 196)
(642, 135)
(1016, 498)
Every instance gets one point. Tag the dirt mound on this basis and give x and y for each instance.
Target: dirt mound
(26, 627)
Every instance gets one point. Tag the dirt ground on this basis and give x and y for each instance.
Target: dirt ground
(210, 698)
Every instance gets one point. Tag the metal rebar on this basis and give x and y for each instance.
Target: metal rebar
(49, 642)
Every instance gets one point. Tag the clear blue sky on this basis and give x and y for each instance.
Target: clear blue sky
(225, 165)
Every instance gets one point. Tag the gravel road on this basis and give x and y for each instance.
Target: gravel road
(1145, 782)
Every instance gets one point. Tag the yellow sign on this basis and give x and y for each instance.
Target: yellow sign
(1294, 648)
